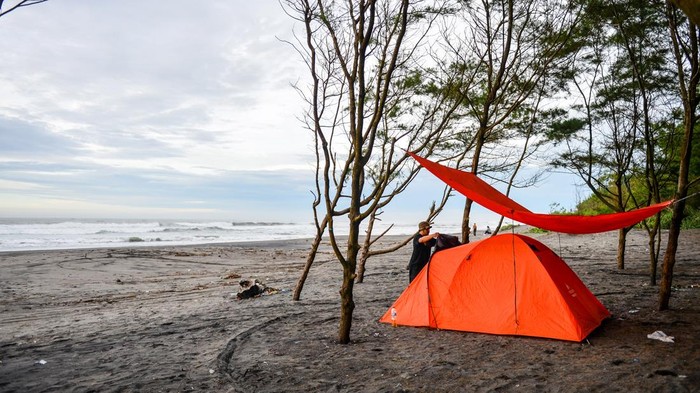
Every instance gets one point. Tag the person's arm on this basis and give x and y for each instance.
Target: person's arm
(427, 238)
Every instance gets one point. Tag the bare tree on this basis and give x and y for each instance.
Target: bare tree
(684, 38)
(508, 47)
(622, 76)
(600, 149)
(22, 3)
(367, 251)
(360, 100)
(528, 128)
(641, 32)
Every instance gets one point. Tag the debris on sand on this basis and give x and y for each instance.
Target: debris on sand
(661, 336)
(254, 288)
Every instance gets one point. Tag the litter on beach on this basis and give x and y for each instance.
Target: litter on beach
(661, 336)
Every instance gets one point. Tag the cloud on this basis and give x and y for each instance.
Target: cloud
(251, 195)
(137, 105)
(156, 109)
(33, 139)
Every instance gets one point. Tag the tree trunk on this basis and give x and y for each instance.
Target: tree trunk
(689, 96)
(654, 249)
(478, 146)
(310, 259)
(658, 248)
(304, 274)
(670, 256)
(653, 261)
(347, 303)
(364, 254)
(621, 245)
(354, 53)
(466, 229)
(498, 226)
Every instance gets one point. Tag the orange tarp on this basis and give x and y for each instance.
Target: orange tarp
(485, 195)
(506, 284)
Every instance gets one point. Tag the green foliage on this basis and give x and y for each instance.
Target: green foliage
(690, 221)
(666, 219)
(411, 81)
(592, 206)
(562, 129)
(508, 227)
(556, 208)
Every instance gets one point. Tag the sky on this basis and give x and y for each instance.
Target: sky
(178, 109)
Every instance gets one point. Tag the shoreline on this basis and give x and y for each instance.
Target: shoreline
(139, 245)
(522, 229)
(273, 243)
(144, 233)
(167, 319)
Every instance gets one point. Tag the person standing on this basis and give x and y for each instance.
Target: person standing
(423, 242)
(474, 229)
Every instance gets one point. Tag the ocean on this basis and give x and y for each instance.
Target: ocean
(55, 234)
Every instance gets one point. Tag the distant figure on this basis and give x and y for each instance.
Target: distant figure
(423, 242)
(474, 229)
(488, 230)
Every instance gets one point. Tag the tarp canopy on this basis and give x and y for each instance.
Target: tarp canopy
(485, 195)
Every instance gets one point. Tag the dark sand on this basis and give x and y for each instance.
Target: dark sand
(167, 320)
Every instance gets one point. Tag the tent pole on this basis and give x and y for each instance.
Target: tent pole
(515, 287)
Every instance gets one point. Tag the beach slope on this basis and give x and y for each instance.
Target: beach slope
(168, 320)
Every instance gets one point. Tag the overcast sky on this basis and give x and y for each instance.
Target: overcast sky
(155, 109)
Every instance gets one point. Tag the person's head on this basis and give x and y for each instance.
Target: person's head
(424, 227)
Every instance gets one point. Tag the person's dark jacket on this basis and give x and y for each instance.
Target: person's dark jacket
(420, 256)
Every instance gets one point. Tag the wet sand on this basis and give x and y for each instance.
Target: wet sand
(167, 320)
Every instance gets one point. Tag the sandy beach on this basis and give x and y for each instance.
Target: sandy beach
(168, 320)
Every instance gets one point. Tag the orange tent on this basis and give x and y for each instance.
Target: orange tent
(505, 284)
